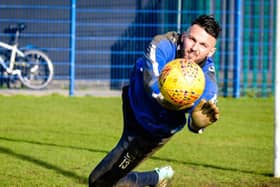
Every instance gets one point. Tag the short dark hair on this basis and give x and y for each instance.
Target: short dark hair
(209, 24)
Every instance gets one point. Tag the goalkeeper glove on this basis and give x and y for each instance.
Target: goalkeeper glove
(203, 115)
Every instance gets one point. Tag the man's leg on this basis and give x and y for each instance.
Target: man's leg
(121, 160)
(159, 177)
(128, 154)
(139, 179)
(134, 146)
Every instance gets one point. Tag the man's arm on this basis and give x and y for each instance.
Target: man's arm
(161, 50)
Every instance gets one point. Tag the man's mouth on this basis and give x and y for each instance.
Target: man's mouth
(189, 56)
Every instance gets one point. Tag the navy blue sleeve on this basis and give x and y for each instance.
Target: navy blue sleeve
(161, 50)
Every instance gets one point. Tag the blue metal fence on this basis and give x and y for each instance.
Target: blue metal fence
(97, 42)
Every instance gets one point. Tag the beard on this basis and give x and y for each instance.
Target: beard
(189, 55)
(192, 56)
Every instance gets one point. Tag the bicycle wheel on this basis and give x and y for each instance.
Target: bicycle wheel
(2, 70)
(36, 69)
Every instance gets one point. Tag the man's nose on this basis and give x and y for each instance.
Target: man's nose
(195, 47)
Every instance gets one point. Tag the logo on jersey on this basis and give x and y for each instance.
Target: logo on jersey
(211, 69)
(211, 73)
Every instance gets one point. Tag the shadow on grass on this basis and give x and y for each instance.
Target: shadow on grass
(83, 179)
(54, 145)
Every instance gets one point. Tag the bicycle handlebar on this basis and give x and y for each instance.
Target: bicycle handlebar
(13, 28)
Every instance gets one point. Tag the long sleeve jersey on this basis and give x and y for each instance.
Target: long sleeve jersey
(155, 119)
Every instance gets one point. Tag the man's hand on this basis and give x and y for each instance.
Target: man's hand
(204, 114)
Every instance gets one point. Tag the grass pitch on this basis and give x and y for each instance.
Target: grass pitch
(56, 141)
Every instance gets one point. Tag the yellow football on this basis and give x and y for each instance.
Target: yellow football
(181, 82)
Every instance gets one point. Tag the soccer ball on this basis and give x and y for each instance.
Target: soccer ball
(181, 83)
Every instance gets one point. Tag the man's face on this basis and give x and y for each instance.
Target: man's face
(198, 44)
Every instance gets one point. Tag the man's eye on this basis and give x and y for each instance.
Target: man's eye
(192, 39)
(204, 45)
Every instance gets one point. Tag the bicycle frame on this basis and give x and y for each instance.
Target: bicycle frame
(31, 66)
(14, 52)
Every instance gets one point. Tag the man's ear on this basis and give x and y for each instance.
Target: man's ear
(212, 51)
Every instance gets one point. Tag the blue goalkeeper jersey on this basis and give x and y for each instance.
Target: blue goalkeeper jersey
(155, 119)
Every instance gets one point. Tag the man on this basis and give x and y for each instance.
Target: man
(148, 121)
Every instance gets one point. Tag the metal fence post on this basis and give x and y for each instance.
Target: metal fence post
(277, 99)
(179, 16)
(72, 47)
(237, 48)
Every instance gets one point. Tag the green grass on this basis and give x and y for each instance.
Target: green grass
(56, 141)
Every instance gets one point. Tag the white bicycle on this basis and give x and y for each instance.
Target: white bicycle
(32, 67)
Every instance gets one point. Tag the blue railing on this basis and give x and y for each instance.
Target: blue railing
(99, 41)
